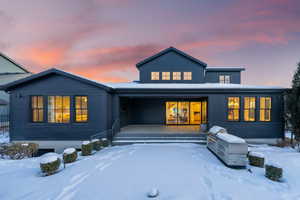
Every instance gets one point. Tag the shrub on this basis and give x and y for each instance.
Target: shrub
(50, 164)
(256, 159)
(104, 142)
(70, 155)
(96, 144)
(20, 150)
(273, 172)
(86, 148)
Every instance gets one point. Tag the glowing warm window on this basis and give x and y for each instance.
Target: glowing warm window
(81, 108)
(176, 75)
(224, 79)
(233, 108)
(59, 109)
(265, 106)
(154, 75)
(249, 109)
(187, 75)
(37, 106)
(165, 75)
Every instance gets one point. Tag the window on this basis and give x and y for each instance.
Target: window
(81, 108)
(176, 75)
(37, 107)
(154, 75)
(165, 75)
(59, 109)
(233, 108)
(265, 109)
(249, 109)
(187, 75)
(224, 79)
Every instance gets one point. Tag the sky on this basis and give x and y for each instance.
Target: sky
(103, 40)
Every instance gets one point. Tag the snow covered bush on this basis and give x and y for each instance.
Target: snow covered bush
(19, 150)
(50, 164)
(70, 155)
(86, 148)
(96, 144)
(273, 172)
(104, 142)
(256, 159)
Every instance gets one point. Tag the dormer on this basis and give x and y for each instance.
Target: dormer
(223, 75)
(171, 66)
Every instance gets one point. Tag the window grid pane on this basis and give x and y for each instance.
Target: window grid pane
(154, 75)
(265, 109)
(187, 75)
(59, 109)
(176, 75)
(81, 108)
(165, 75)
(249, 108)
(37, 106)
(233, 108)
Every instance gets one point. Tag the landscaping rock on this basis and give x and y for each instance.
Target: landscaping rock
(96, 144)
(70, 155)
(50, 164)
(273, 172)
(256, 159)
(86, 148)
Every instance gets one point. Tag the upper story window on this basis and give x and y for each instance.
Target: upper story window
(176, 75)
(224, 79)
(165, 75)
(58, 109)
(187, 75)
(154, 75)
(37, 108)
(233, 108)
(249, 108)
(265, 106)
(81, 108)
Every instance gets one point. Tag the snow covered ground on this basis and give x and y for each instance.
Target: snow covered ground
(4, 137)
(178, 171)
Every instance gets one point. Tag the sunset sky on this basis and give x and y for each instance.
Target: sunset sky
(103, 40)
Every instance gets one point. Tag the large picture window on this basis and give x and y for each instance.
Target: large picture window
(233, 108)
(37, 107)
(58, 109)
(265, 106)
(249, 109)
(81, 108)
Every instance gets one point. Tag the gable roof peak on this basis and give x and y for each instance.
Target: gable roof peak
(167, 50)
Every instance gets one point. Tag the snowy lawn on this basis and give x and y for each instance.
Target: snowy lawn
(178, 171)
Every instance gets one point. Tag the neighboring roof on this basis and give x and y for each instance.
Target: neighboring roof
(7, 78)
(14, 62)
(167, 51)
(224, 69)
(134, 85)
(40, 75)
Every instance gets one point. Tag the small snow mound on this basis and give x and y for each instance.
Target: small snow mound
(273, 163)
(86, 142)
(230, 138)
(48, 159)
(25, 144)
(95, 140)
(69, 150)
(103, 139)
(50, 154)
(257, 154)
(153, 193)
(217, 129)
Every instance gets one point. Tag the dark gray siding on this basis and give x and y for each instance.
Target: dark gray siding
(145, 108)
(172, 62)
(21, 127)
(213, 76)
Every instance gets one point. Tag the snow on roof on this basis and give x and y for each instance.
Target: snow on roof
(134, 85)
(210, 68)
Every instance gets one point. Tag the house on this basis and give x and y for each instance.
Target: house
(9, 72)
(177, 94)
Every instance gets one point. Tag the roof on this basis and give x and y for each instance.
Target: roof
(224, 69)
(167, 51)
(134, 85)
(40, 75)
(14, 62)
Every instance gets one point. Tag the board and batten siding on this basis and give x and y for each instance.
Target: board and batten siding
(22, 128)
